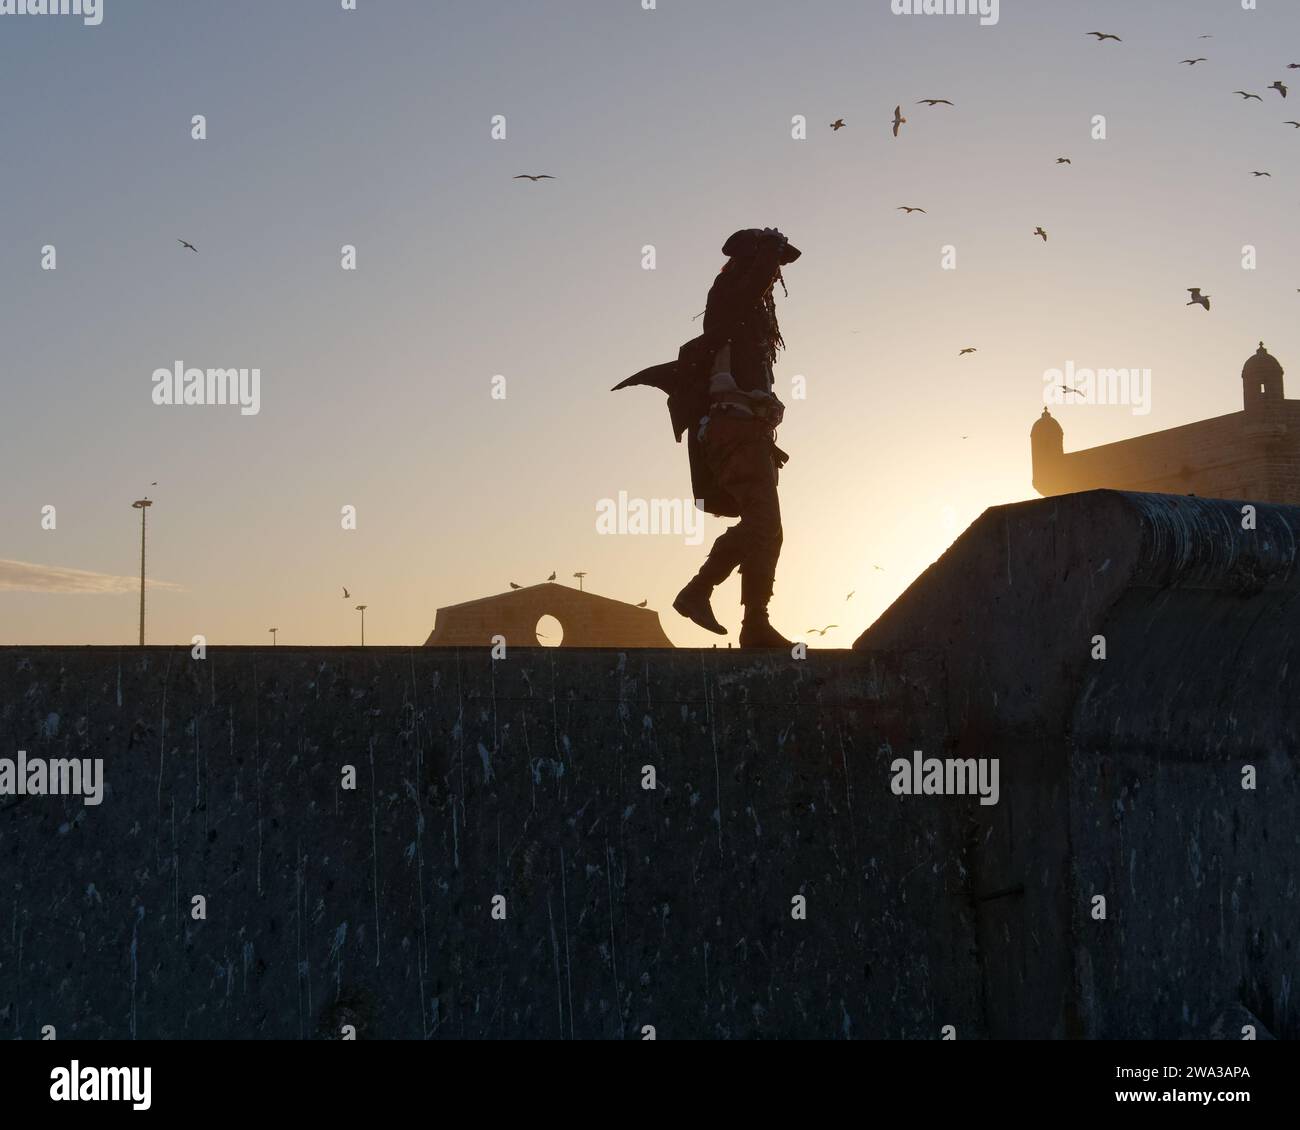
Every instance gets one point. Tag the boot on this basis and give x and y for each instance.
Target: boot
(756, 581)
(693, 603)
(757, 631)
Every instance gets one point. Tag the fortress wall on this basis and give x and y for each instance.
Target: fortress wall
(1199, 873)
(1119, 777)
(625, 907)
(1225, 457)
(1140, 754)
(1209, 451)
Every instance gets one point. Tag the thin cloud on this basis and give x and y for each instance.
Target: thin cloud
(23, 576)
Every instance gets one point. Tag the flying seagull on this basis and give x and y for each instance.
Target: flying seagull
(1067, 388)
(1198, 299)
(878, 568)
(850, 596)
(643, 604)
(1261, 174)
(821, 631)
(1296, 124)
(898, 118)
(930, 102)
(1293, 66)
(1039, 231)
(1193, 62)
(515, 586)
(1064, 161)
(909, 211)
(1104, 35)
(1248, 97)
(189, 245)
(1280, 87)
(968, 349)
(529, 176)
(346, 595)
(837, 124)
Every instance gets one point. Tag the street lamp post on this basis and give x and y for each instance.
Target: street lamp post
(362, 609)
(142, 505)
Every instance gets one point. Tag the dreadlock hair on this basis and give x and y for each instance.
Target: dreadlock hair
(771, 328)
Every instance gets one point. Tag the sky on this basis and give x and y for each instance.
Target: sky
(666, 128)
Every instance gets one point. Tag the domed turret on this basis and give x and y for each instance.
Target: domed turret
(1046, 434)
(1261, 379)
(1047, 448)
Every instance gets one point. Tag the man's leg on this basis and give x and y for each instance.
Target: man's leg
(753, 482)
(724, 438)
(693, 601)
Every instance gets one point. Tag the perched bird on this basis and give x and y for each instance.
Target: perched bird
(1198, 299)
(515, 586)
(1103, 35)
(529, 176)
(821, 631)
(552, 576)
(1193, 62)
(643, 604)
(1261, 174)
(909, 211)
(1064, 161)
(968, 349)
(1280, 87)
(932, 102)
(1248, 97)
(898, 118)
(837, 124)
(189, 245)
(346, 595)
(1039, 231)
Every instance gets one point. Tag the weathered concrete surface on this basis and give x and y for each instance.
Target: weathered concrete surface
(628, 907)
(1125, 774)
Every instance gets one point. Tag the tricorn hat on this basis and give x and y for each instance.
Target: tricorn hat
(746, 242)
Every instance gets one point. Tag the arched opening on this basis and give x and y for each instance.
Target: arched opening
(550, 632)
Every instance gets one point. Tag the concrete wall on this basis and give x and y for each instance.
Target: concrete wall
(672, 907)
(1126, 772)
(626, 907)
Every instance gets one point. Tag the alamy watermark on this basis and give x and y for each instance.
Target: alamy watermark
(680, 517)
(37, 776)
(949, 776)
(179, 385)
(90, 11)
(101, 1084)
(987, 10)
(1073, 385)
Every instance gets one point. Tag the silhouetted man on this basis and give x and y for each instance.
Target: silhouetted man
(736, 437)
